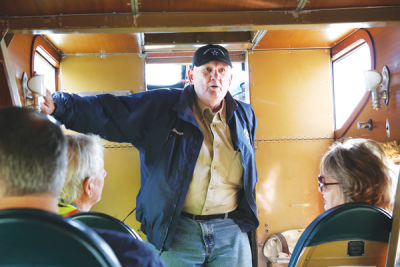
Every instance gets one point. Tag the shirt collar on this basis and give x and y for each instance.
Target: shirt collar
(221, 113)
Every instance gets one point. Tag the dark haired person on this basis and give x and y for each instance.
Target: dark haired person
(198, 172)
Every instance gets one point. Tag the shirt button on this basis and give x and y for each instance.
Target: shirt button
(206, 210)
(217, 146)
(211, 187)
(215, 167)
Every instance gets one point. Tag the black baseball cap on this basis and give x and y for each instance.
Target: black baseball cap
(209, 53)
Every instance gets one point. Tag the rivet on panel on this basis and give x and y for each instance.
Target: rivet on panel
(266, 225)
(259, 212)
(267, 231)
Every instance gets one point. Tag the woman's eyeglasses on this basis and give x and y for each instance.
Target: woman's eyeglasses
(322, 184)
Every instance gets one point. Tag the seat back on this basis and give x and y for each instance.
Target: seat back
(104, 221)
(348, 234)
(31, 237)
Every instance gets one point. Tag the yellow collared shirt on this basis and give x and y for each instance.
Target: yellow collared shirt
(217, 177)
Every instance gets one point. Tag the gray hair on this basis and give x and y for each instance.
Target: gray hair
(33, 153)
(85, 153)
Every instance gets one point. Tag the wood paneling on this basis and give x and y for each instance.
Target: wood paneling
(215, 5)
(95, 43)
(291, 93)
(291, 96)
(313, 38)
(197, 37)
(57, 7)
(114, 72)
(5, 96)
(182, 54)
(387, 49)
(92, 73)
(322, 4)
(20, 56)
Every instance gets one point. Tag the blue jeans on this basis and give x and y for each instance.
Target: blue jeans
(218, 242)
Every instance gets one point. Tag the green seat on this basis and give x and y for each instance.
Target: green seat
(31, 237)
(344, 232)
(104, 221)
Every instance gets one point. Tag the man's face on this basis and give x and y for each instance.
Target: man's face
(211, 82)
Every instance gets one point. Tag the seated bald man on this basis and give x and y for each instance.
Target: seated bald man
(85, 176)
(33, 165)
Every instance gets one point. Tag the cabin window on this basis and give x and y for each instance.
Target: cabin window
(45, 59)
(42, 66)
(350, 59)
(349, 83)
(175, 76)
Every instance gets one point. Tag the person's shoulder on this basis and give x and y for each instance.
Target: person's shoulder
(130, 251)
(245, 107)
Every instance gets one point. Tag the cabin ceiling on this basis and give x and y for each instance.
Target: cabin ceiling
(137, 26)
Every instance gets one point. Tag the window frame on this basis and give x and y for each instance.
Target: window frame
(40, 43)
(341, 50)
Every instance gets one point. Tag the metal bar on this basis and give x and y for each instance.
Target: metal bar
(3, 32)
(10, 77)
(257, 39)
(140, 41)
(191, 47)
(197, 38)
(133, 6)
(8, 38)
(205, 22)
(295, 138)
(301, 5)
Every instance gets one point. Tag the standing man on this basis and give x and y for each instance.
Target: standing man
(197, 160)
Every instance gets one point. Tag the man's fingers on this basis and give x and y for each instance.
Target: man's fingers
(47, 106)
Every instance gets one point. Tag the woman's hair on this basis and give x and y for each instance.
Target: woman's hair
(85, 154)
(362, 169)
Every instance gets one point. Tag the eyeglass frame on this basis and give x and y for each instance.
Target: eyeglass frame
(322, 185)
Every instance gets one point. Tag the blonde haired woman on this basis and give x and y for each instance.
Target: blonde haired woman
(356, 170)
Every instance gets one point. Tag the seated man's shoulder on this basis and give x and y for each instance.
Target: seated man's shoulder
(130, 251)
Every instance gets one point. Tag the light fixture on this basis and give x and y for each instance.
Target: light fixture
(33, 88)
(365, 125)
(378, 83)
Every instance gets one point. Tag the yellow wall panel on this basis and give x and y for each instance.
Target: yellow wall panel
(287, 191)
(292, 97)
(291, 93)
(112, 73)
(115, 72)
(121, 185)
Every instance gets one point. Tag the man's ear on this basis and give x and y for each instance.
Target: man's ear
(190, 75)
(230, 81)
(87, 186)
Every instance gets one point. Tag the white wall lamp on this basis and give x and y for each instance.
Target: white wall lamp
(378, 84)
(33, 88)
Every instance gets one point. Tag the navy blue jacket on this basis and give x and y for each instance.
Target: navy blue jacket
(162, 126)
(130, 252)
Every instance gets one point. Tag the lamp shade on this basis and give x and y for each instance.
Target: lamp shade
(373, 79)
(36, 85)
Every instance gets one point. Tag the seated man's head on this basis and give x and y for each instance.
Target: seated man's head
(85, 177)
(33, 160)
(356, 170)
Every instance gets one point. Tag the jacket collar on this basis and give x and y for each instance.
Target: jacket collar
(188, 95)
